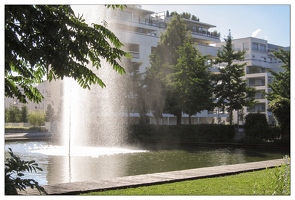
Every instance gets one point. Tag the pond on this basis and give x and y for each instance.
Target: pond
(92, 163)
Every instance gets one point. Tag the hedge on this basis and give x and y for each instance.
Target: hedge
(180, 134)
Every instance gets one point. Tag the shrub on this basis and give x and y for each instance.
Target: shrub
(24, 114)
(279, 180)
(36, 118)
(49, 116)
(12, 114)
(256, 126)
(180, 134)
(14, 167)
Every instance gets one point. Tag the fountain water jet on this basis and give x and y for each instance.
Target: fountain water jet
(94, 117)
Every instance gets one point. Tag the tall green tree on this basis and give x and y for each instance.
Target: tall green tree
(279, 96)
(163, 59)
(192, 80)
(51, 41)
(24, 114)
(170, 41)
(12, 114)
(131, 83)
(49, 114)
(178, 79)
(231, 90)
(155, 87)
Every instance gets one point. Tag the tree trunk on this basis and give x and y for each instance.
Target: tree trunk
(231, 117)
(178, 117)
(189, 119)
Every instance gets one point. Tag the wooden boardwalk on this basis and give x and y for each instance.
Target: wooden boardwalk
(151, 179)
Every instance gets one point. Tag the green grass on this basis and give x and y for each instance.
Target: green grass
(263, 182)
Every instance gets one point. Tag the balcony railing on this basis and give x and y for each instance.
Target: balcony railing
(134, 54)
(206, 34)
(159, 22)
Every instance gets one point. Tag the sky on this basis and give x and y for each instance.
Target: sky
(267, 21)
(270, 20)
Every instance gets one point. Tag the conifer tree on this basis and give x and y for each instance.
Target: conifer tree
(231, 90)
(279, 97)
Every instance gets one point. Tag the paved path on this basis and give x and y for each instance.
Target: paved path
(150, 179)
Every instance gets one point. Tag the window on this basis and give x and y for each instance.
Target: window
(131, 47)
(209, 62)
(255, 46)
(262, 48)
(246, 46)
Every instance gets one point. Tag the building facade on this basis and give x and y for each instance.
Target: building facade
(140, 31)
(260, 60)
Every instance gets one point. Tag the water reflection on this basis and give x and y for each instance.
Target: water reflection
(92, 163)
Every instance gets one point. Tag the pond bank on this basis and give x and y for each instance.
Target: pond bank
(75, 188)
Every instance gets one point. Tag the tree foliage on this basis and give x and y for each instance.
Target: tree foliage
(155, 87)
(162, 60)
(178, 79)
(170, 41)
(49, 115)
(279, 96)
(36, 118)
(51, 41)
(12, 114)
(24, 114)
(231, 91)
(14, 168)
(132, 84)
(256, 125)
(192, 80)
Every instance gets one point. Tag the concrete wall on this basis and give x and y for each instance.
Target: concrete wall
(17, 124)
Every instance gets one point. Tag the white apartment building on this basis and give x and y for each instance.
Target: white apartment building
(140, 32)
(259, 60)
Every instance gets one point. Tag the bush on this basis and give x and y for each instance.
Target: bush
(180, 134)
(24, 114)
(258, 130)
(12, 114)
(279, 180)
(14, 167)
(256, 126)
(36, 118)
(49, 116)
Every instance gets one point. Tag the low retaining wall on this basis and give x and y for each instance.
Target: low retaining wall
(21, 124)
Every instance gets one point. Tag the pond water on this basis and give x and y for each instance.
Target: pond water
(92, 163)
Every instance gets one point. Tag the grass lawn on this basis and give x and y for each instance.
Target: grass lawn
(263, 182)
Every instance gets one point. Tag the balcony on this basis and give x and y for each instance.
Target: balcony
(206, 34)
(135, 55)
(263, 63)
(260, 107)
